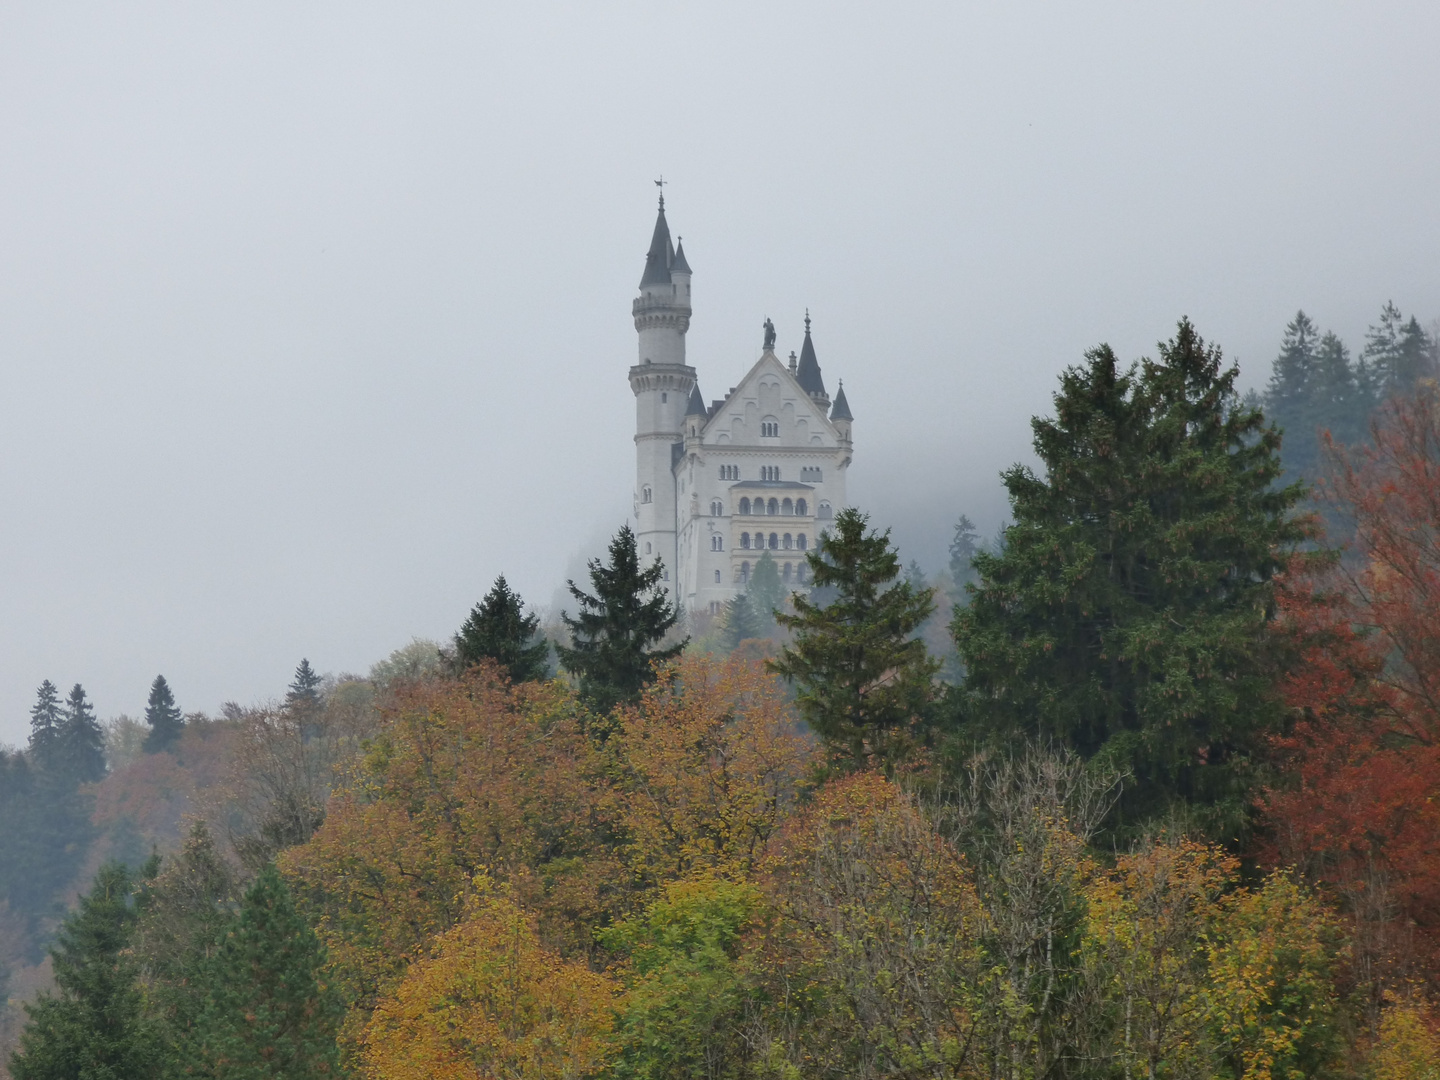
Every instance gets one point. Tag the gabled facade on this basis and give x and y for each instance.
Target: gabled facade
(761, 469)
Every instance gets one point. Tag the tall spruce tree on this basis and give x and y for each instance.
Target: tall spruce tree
(267, 1013)
(964, 546)
(613, 630)
(766, 592)
(95, 1026)
(166, 721)
(45, 721)
(304, 692)
(79, 749)
(862, 676)
(1398, 353)
(742, 622)
(498, 629)
(1127, 615)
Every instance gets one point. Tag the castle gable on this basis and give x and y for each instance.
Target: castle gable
(769, 409)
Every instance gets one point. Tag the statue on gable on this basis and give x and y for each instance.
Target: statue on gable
(769, 334)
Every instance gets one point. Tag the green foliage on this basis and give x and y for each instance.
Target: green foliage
(79, 747)
(164, 717)
(766, 591)
(45, 720)
(304, 693)
(266, 1014)
(1314, 387)
(687, 981)
(1128, 615)
(614, 630)
(95, 1027)
(413, 661)
(863, 677)
(964, 546)
(498, 629)
(1398, 353)
(46, 834)
(743, 622)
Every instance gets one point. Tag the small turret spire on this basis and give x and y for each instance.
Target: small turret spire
(841, 409)
(808, 371)
(657, 259)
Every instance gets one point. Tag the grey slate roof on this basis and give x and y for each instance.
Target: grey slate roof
(657, 259)
(679, 265)
(841, 409)
(696, 407)
(807, 372)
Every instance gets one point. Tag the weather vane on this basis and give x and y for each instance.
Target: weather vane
(661, 185)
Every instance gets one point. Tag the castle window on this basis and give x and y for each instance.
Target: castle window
(664, 398)
(787, 508)
(744, 572)
(785, 574)
(717, 508)
(647, 547)
(769, 428)
(715, 604)
(811, 475)
(774, 542)
(745, 541)
(787, 540)
(744, 506)
(801, 508)
(717, 543)
(729, 472)
(717, 577)
(774, 507)
(824, 511)
(800, 541)
(800, 573)
(769, 472)
(645, 496)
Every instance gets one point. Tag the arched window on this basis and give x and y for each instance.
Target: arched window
(745, 541)
(744, 571)
(774, 507)
(774, 542)
(717, 543)
(824, 512)
(717, 508)
(647, 547)
(787, 508)
(744, 506)
(800, 541)
(801, 508)
(769, 428)
(717, 577)
(729, 472)
(800, 573)
(785, 574)
(786, 541)
(645, 494)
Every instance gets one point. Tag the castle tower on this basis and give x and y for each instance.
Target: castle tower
(661, 382)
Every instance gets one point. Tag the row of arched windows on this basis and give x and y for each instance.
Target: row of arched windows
(778, 541)
(788, 507)
(788, 572)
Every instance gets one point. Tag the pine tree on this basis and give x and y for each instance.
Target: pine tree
(1293, 371)
(742, 622)
(614, 629)
(165, 719)
(862, 675)
(1398, 353)
(304, 692)
(95, 1026)
(79, 749)
(45, 838)
(964, 546)
(1128, 615)
(498, 629)
(45, 720)
(267, 1014)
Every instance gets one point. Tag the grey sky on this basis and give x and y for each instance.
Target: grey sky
(315, 317)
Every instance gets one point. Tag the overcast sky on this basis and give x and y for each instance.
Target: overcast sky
(315, 317)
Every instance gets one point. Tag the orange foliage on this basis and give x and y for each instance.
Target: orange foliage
(706, 767)
(490, 1002)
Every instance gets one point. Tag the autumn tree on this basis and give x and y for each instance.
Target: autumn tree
(863, 677)
(499, 629)
(164, 717)
(490, 1000)
(614, 631)
(1129, 614)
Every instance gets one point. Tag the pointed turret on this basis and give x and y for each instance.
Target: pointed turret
(807, 372)
(841, 409)
(678, 265)
(657, 259)
(696, 407)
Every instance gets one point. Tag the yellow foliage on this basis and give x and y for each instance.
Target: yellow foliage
(491, 1004)
(1409, 1044)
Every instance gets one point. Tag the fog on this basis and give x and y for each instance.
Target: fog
(314, 318)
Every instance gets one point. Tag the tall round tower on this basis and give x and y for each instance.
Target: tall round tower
(661, 382)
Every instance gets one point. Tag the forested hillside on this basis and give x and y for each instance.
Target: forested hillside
(1147, 785)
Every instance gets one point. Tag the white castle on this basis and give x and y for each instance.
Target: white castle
(760, 469)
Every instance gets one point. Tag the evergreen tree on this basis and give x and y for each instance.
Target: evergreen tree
(742, 622)
(1315, 388)
(304, 692)
(45, 720)
(164, 717)
(46, 835)
(1128, 614)
(95, 1027)
(614, 629)
(267, 1014)
(498, 629)
(915, 577)
(766, 592)
(1398, 353)
(79, 749)
(964, 546)
(862, 675)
